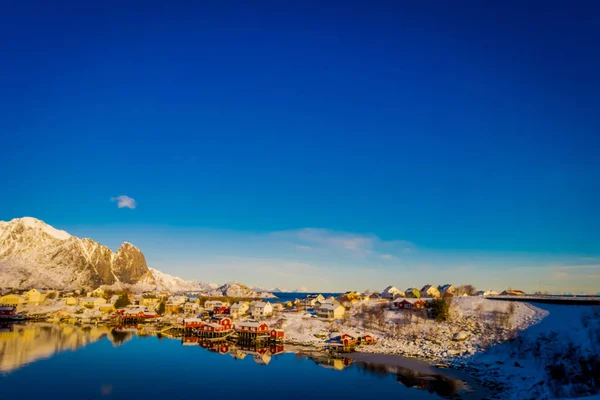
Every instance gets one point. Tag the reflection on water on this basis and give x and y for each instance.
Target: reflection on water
(438, 384)
(25, 343)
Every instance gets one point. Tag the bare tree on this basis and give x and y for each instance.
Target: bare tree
(469, 290)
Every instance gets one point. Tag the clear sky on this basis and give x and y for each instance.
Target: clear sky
(330, 145)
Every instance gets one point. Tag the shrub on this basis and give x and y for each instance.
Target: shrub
(122, 301)
(439, 309)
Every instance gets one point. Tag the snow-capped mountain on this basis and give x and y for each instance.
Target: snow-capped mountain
(234, 289)
(33, 253)
(275, 289)
(175, 284)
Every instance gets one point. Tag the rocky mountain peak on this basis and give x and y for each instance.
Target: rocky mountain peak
(35, 253)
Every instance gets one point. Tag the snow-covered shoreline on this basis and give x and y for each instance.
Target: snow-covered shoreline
(488, 352)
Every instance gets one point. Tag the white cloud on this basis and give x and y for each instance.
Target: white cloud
(358, 245)
(388, 257)
(124, 201)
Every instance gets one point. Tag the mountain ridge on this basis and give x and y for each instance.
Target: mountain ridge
(35, 254)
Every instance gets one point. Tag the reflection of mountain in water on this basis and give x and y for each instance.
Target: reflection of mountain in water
(24, 344)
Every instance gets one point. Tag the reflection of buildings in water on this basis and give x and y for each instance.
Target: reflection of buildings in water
(326, 361)
(260, 353)
(23, 344)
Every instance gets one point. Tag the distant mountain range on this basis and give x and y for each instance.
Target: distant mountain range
(34, 254)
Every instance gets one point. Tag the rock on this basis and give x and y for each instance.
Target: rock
(460, 336)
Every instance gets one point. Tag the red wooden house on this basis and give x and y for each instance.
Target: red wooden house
(224, 321)
(191, 323)
(348, 340)
(223, 310)
(367, 339)
(251, 327)
(409, 304)
(277, 334)
(212, 327)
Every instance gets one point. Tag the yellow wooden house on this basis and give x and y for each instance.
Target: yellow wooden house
(12, 300)
(35, 296)
(70, 301)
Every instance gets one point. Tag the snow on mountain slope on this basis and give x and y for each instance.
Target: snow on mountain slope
(234, 289)
(34, 223)
(175, 284)
(33, 253)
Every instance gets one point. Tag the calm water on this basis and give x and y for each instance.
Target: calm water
(68, 362)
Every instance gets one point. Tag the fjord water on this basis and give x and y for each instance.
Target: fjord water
(69, 362)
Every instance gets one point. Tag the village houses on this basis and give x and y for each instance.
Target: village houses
(430, 291)
(35, 296)
(329, 300)
(260, 309)
(408, 304)
(211, 305)
(239, 309)
(412, 293)
(113, 299)
(331, 311)
(392, 292)
(98, 292)
(312, 299)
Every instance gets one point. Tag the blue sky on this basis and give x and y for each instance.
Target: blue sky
(471, 133)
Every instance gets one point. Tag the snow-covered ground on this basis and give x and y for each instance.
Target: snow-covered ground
(548, 360)
(476, 324)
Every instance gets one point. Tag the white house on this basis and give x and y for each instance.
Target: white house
(487, 293)
(239, 309)
(211, 304)
(329, 300)
(98, 292)
(191, 308)
(261, 309)
(113, 299)
(430, 291)
(392, 292)
(331, 311)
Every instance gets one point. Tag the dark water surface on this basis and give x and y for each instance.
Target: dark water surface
(69, 362)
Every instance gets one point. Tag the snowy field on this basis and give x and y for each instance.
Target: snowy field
(553, 359)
